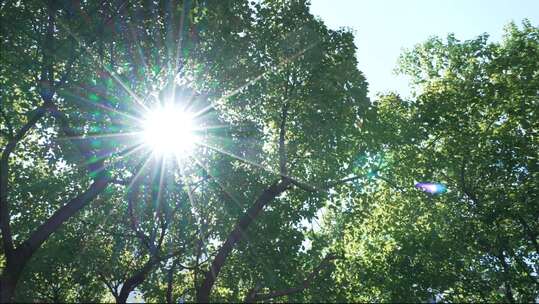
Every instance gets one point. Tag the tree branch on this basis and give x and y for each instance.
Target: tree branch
(83, 147)
(170, 281)
(112, 288)
(62, 215)
(465, 189)
(132, 282)
(323, 188)
(136, 279)
(7, 237)
(282, 140)
(131, 198)
(204, 290)
(34, 117)
(254, 296)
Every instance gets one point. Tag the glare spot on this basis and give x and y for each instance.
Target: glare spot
(432, 188)
(169, 130)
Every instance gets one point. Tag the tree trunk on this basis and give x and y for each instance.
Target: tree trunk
(9, 279)
(170, 281)
(7, 288)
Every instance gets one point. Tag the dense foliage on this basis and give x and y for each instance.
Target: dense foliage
(299, 189)
(472, 127)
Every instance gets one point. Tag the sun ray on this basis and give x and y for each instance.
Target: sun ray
(160, 187)
(280, 67)
(178, 50)
(134, 148)
(121, 154)
(219, 150)
(192, 200)
(204, 110)
(225, 189)
(102, 106)
(211, 127)
(106, 135)
(146, 161)
(216, 149)
(140, 53)
(104, 67)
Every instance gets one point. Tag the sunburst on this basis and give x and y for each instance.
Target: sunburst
(169, 130)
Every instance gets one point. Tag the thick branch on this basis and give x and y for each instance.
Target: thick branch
(136, 279)
(204, 290)
(251, 293)
(14, 139)
(28, 247)
(17, 258)
(34, 117)
(60, 216)
(253, 296)
(112, 288)
(7, 239)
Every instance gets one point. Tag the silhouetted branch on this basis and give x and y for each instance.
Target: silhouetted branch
(253, 296)
(204, 290)
(282, 140)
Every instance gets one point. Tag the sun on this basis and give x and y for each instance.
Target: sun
(169, 130)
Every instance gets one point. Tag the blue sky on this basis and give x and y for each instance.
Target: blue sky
(384, 27)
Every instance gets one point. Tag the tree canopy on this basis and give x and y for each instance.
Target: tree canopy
(298, 188)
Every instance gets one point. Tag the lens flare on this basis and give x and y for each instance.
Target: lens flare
(432, 188)
(169, 130)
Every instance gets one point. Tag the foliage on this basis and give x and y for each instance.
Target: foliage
(472, 127)
(299, 184)
(77, 71)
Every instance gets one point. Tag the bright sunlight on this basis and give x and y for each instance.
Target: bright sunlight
(169, 130)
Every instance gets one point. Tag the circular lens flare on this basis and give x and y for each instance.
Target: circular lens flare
(432, 188)
(169, 130)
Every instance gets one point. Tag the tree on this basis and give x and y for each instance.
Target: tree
(75, 80)
(473, 128)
